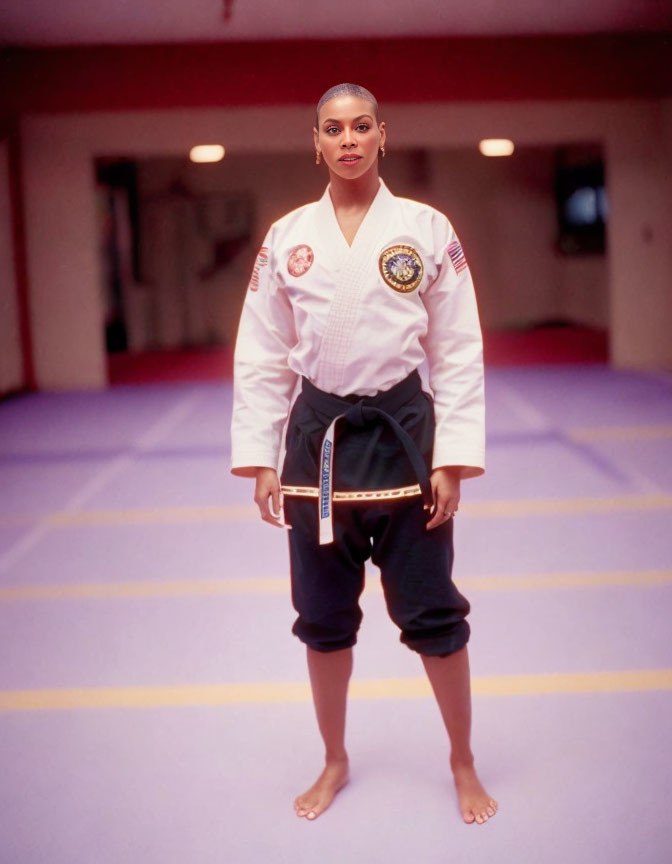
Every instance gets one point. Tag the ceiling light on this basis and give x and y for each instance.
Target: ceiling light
(207, 153)
(496, 147)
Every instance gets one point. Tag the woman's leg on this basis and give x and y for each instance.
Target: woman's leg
(327, 581)
(330, 673)
(416, 567)
(450, 680)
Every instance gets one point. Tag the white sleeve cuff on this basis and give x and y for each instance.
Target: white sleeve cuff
(473, 460)
(254, 459)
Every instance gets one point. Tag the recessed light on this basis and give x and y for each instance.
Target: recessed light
(496, 147)
(207, 153)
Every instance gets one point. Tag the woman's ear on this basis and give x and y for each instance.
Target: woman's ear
(316, 137)
(381, 128)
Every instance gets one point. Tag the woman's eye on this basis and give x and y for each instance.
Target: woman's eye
(331, 129)
(362, 127)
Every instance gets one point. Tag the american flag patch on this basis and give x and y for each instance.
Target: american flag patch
(454, 249)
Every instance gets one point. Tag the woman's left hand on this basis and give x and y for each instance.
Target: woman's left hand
(446, 493)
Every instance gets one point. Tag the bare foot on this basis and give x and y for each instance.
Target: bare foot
(475, 803)
(322, 792)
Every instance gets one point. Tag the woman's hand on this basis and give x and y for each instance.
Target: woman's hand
(446, 493)
(268, 486)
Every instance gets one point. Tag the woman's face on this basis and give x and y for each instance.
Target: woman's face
(348, 136)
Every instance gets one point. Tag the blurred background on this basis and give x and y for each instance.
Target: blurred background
(122, 260)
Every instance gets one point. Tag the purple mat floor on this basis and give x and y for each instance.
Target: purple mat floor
(154, 704)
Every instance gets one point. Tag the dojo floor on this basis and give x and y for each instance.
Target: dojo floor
(154, 706)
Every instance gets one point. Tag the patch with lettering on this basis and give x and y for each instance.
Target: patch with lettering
(401, 267)
(300, 260)
(261, 261)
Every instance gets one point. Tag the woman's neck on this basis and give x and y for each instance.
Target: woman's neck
(353, 194)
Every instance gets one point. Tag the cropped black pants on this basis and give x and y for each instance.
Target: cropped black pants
(415, 564)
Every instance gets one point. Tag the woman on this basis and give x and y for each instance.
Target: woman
(348, 297)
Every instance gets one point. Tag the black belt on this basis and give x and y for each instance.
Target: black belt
(361, 411)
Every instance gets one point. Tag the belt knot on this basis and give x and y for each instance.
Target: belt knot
(355, 416)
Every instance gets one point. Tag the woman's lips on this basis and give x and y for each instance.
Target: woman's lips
(349, 159)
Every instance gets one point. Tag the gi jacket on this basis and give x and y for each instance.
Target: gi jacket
(359, 319)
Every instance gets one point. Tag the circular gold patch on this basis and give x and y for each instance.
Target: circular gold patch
(401, 267)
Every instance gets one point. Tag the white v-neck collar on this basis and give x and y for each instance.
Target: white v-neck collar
(327, 216)
(351, 270)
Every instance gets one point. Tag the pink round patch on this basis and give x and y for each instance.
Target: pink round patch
(300, 260)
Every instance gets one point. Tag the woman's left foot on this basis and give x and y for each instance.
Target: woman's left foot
(475, 803)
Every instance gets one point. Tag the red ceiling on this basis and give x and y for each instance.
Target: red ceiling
(419, 70)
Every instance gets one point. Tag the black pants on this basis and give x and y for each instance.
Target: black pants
(416, 564)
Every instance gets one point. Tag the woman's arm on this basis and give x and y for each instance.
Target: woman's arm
(263, 383)
(454, 348)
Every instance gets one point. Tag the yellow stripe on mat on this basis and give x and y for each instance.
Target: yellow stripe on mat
(573, 506)
(169, 515)
(252, 586)
(620, 433)
(146, 588)
(579, 579)
(296, 691)
(248, 513)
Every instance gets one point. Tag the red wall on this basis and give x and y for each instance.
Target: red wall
(403, 70)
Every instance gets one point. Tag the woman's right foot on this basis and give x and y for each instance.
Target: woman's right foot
(320, 795)
(475, 803)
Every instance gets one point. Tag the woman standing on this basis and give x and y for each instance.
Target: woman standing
(348, 297)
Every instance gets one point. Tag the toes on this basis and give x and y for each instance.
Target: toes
(468, 816)
(490, 811)
(314, 812)
(302, 806)
(310, 809)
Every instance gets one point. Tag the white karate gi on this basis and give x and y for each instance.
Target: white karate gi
(341, 324)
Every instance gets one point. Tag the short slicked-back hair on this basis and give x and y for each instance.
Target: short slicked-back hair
(347, 90)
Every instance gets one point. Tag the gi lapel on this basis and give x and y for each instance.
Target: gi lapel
(357, 266)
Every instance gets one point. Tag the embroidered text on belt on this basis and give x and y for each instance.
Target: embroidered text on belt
(360, 414)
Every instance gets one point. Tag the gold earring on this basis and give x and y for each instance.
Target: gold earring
(318, 157)
(382, 151)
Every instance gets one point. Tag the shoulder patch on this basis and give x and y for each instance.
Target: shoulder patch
(261, 261)
(300, 260)
(456, 254)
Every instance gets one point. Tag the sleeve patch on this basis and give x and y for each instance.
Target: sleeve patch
(456, 254)
(261, 261)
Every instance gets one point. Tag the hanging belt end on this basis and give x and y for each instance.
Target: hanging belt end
(326, 531)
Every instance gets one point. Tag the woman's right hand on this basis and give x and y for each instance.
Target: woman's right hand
(268, 486)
